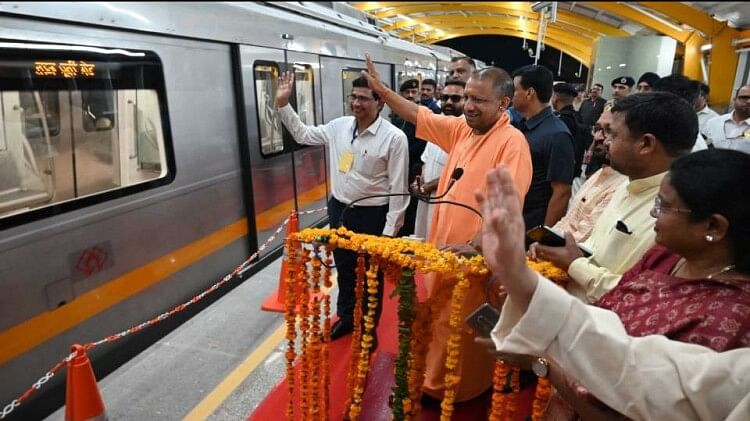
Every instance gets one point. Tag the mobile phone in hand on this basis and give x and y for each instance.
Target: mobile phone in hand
(483, 320)
(547, 237)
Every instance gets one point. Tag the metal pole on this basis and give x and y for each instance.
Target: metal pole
(559, 65)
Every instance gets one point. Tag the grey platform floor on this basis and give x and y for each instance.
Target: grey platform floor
(166, 381)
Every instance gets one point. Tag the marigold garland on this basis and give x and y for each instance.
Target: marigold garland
(393, 255)
(359, 293)
(504, 401)
(499, 399)
(515, 388)
(421, 339)
(325, 365)
(290, 318)
(541, 398)
(549, 271)
(453, 349)
(407, 292)
(363, 363)
(315, 337)
(304, 327)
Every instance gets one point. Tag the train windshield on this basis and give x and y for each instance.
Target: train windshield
(77, 121)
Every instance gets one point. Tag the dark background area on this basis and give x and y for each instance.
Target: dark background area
(506, 52)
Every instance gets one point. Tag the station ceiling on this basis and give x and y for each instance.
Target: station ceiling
(576, 29)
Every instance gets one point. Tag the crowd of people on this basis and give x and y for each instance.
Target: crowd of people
(650, 181)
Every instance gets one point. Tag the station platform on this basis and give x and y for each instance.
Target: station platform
(218, 365)
(227, 363)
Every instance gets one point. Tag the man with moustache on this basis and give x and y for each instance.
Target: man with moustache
(368, 156)
(476, 143)
(434, 158)
(461, 68)
(621, 87)
(646, 133)
(592, 107)
(427, 95)
(732, 130)
(594, 195)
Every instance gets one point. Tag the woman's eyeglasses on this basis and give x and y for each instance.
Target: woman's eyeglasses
(659, 209)
(453, 98)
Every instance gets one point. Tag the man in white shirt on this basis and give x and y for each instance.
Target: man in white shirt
(688, 90)
(434, 158)
(646, 378)
(701, 105)
(732, 130)
(368, 157)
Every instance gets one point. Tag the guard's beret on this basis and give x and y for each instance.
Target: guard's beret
(649, 77)
(409, 84)
(624, 80)
(565, 89)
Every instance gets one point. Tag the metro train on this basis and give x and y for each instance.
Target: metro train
(142, 159)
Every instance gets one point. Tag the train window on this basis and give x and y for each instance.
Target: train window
(347, 77)
(80, 125)
(266, 80)
(304, 82)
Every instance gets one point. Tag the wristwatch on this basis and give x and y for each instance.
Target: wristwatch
(540, 367)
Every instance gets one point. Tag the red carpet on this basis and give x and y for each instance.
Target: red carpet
(379, 381)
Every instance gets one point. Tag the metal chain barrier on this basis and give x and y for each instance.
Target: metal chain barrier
(238, 271)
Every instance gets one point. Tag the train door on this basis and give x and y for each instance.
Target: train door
(269, 146)
(310, 169)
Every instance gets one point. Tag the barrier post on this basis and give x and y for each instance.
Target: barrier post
(83, 401)
(275, 301)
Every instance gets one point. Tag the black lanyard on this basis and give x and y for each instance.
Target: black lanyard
(354, 134)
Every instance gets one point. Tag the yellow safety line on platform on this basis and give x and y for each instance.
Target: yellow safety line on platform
(217, 396)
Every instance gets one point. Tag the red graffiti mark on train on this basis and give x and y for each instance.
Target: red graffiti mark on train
(92, 260)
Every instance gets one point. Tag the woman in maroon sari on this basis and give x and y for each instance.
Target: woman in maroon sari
(694, 284)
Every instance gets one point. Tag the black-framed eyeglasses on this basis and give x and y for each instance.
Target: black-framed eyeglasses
(453, 98)
(360, 98)
(659, 209)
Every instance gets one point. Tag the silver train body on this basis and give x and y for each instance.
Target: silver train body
(133, 190)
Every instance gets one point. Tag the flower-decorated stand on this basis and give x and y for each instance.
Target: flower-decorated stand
(308, 324)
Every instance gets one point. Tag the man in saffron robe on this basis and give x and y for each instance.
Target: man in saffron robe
(480, 140)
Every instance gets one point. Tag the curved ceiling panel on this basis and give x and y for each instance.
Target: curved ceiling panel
(575, 31)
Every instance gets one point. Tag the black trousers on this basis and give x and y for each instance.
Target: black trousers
(363, 220)
(410, 217)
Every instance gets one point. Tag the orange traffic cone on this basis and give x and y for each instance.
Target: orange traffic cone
(83, 402)
(275, 301)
